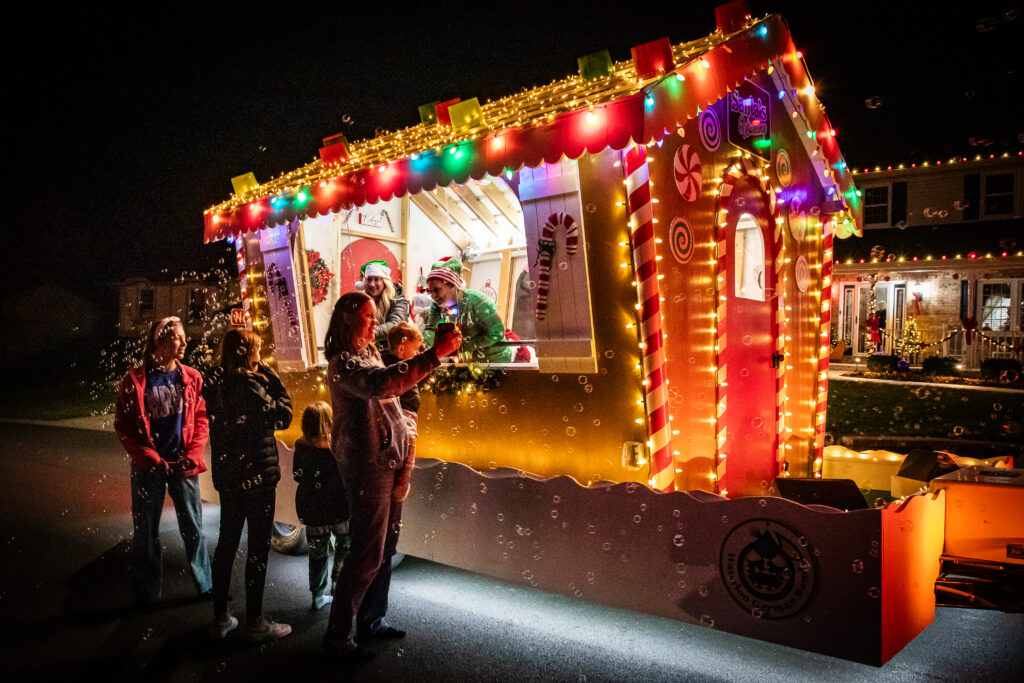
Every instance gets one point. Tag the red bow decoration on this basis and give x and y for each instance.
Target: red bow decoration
(872, 322)
(917, 304)
(522, 353)
(970, 325)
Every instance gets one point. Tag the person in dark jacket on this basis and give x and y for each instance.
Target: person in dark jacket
(246, 404)
(388, 298)
(320, 500)
(370, 439)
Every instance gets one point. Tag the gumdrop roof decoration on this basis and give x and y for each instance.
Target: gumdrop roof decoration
(566, 118)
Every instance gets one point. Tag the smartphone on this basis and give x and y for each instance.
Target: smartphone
(445, 328)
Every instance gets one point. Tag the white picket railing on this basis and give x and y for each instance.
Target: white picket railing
(984, 344)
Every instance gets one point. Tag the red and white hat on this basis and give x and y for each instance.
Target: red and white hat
(447, 275)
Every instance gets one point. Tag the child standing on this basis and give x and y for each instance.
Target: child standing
(405, 341)
(320, 500)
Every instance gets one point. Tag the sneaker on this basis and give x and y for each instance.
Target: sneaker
(265, 629)
(220, 627)
(321, 600)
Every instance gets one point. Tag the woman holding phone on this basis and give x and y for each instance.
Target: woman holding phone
(370, 439)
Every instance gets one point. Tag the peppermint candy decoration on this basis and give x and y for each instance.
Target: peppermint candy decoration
(546, 251)
(710, 130)
(688, 173)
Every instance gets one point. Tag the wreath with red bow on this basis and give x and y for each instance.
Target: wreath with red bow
(319, 276)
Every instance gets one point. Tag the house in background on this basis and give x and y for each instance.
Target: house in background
(203, 305)
(943, 244)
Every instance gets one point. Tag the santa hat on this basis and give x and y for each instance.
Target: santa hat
(448, 270)
(375, 269)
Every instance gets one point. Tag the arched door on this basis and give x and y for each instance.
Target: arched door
(750, 410)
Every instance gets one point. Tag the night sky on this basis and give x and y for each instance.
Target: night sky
(147, 114)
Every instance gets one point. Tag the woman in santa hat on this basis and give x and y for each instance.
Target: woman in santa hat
(391, 305)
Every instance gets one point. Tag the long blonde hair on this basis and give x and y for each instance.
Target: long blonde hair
(385, 301)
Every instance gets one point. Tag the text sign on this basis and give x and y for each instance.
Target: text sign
(238, 317)
(749, 119)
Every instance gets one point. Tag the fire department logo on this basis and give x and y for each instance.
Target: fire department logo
(768, 568)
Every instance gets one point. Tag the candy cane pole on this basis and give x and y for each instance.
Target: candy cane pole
(641, 222)
(826, 346)
(243, 279)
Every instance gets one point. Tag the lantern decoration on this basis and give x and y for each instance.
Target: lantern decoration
(335, 150)
(465, 115)
(428, 113)
(653, 58)
(243, 183)
(594, 67)
(444, 117)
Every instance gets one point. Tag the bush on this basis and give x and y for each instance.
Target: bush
(882, 363)
(1001, 369)
(944, 366)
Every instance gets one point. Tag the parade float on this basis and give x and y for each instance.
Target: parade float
(657, 235)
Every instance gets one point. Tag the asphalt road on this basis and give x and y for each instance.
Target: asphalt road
(65, 608)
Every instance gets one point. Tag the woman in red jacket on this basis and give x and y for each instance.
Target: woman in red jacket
(161, 422)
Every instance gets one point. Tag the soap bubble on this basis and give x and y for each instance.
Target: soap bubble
(857, 567)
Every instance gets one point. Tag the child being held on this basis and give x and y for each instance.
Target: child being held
(405, 341)
(320, 500)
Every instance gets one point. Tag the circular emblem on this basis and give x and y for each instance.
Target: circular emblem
(689, 179)
(797, 219)
(802, 273)
(783, 168)
(681, 238)
(710, 130)
(768, 568)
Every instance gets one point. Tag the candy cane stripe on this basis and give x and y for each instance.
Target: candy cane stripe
(646, 271)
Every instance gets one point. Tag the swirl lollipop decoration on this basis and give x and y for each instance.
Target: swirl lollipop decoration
(710, 130)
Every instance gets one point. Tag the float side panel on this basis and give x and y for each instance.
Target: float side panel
(912, 536)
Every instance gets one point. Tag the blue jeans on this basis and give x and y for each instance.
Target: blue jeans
(361, 594)
(148, 490)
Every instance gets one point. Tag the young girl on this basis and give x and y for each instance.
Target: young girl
(320, 500)
(247, 404)
(405, 341)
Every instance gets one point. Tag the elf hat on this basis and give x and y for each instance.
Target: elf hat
(448, 271)
(450, 262)
(375, 269)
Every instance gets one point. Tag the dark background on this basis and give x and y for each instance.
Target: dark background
(128, 124)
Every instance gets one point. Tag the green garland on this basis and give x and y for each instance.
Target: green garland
(453, 379)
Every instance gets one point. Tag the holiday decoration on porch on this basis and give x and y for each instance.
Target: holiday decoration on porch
(911, 343)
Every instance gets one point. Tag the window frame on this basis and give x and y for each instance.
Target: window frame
(988, 195)
(887, 203)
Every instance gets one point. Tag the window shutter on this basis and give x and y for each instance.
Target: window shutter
(549, 194)
(972, 196)
(899, 203)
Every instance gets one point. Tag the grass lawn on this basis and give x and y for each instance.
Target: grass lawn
(40, 398)
(873, 408)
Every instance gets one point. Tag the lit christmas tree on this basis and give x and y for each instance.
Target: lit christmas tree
(909, 345)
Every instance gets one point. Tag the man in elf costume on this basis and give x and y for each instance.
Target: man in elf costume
(474, 313)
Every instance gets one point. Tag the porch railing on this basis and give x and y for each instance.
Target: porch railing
(984, 344)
